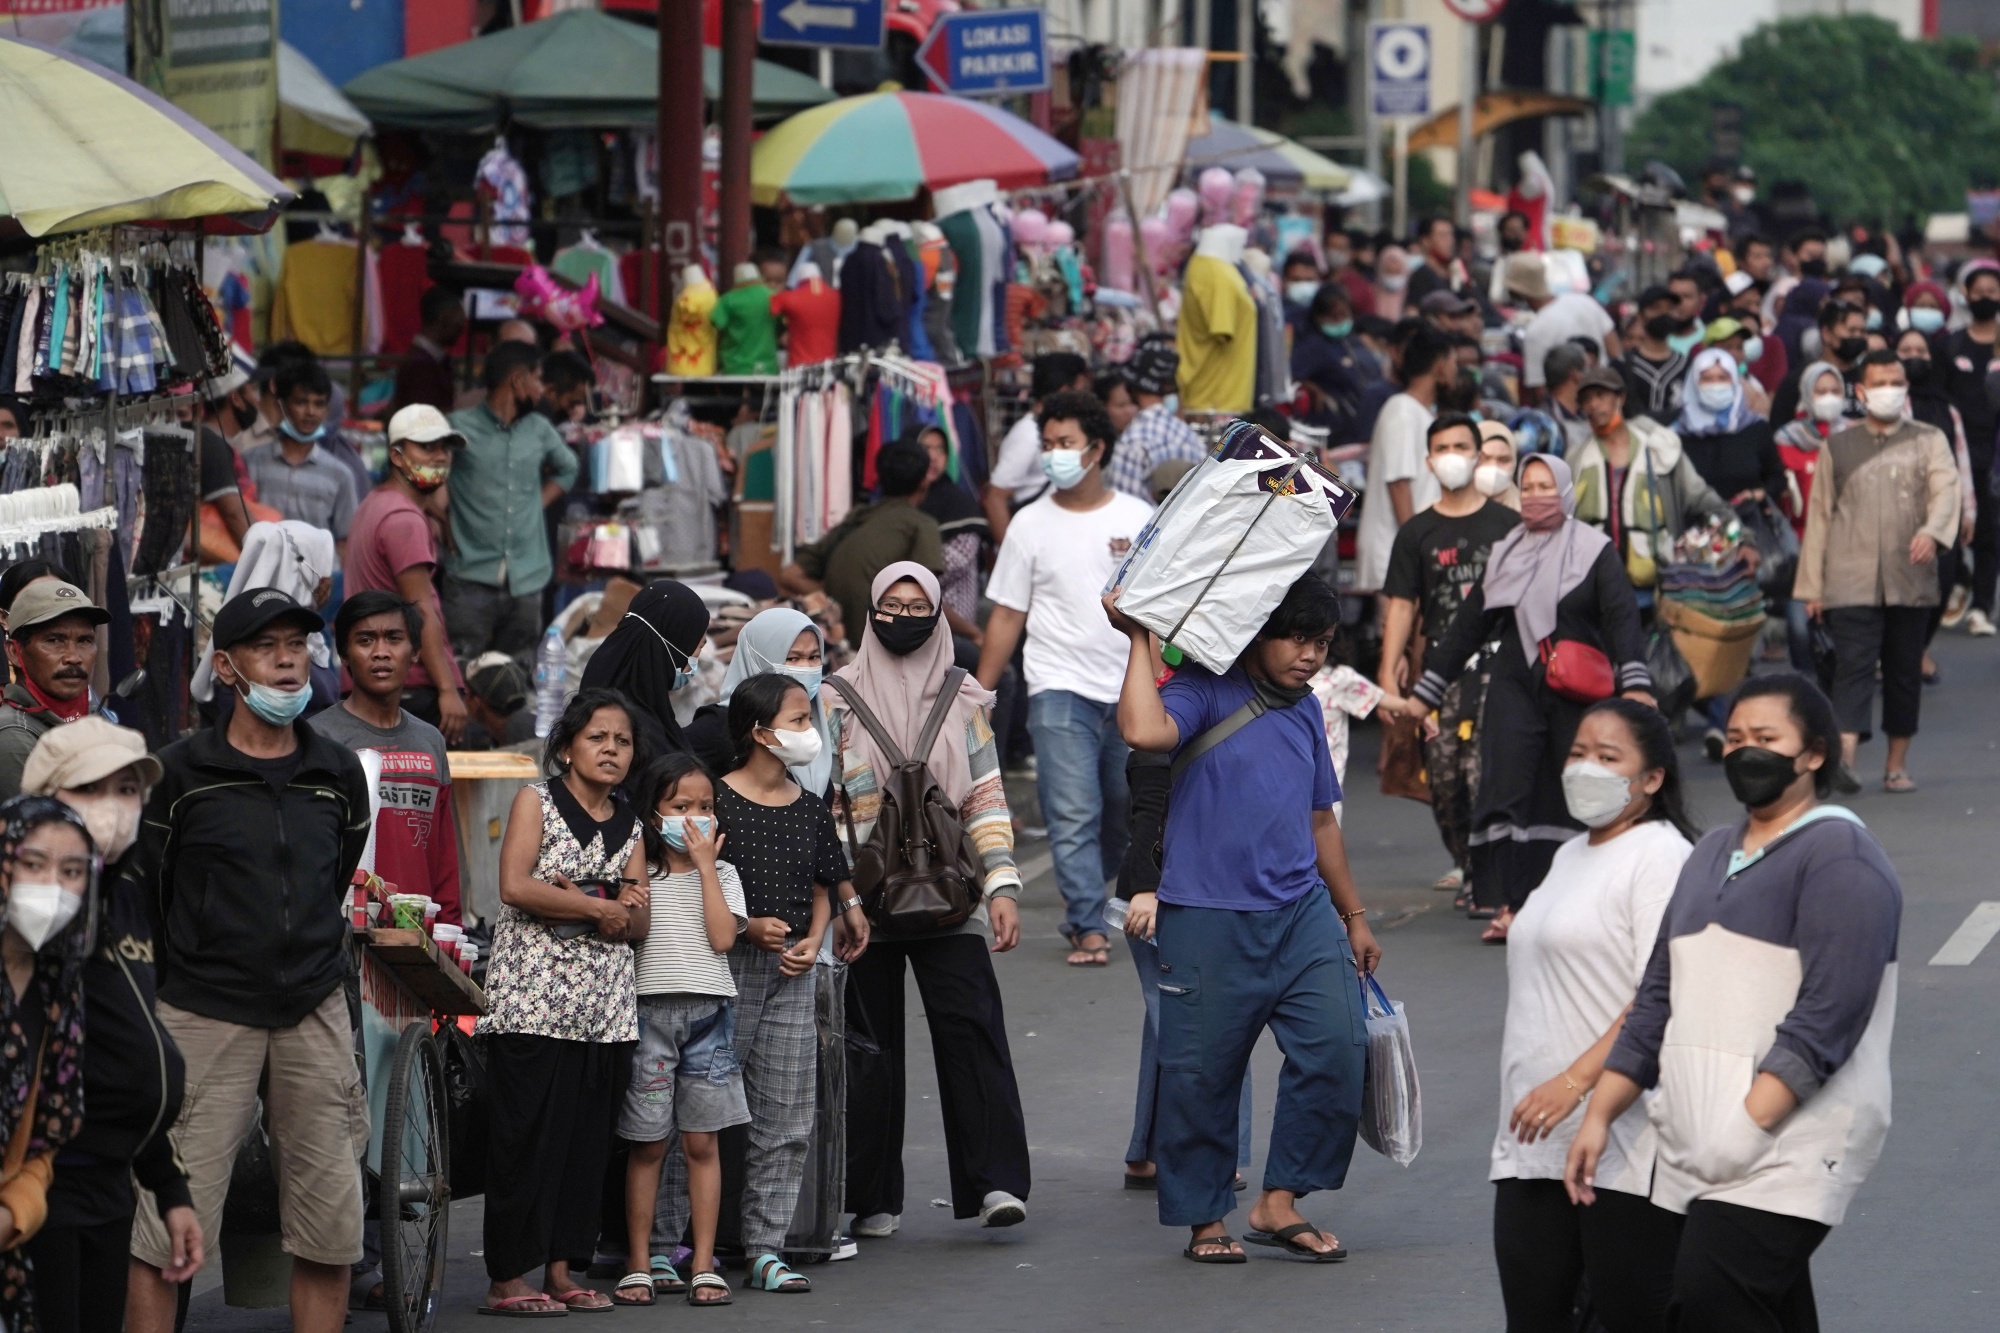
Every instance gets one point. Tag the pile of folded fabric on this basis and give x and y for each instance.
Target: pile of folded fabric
(1715, 609)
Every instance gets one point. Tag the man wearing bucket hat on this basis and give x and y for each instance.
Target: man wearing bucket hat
(52, 644)
(249, 843)
(133, 1078)
(1156, 435)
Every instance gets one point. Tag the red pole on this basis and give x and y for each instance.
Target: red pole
(739, 50)
(680, 143)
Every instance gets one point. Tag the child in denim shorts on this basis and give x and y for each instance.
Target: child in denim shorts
(684, 1075)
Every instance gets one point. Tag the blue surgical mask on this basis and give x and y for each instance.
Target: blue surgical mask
(1301, 293)
(1926, 320)
(1064, 467)
(1753, 351)
(278, 707)
(1340, 330)
(285, 425)
(1874, 320)
(1715, 397)
(1685, 342)
(1173, 402)
(809, 677)
(673, 828)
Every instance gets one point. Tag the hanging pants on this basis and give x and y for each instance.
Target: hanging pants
(1621, 1248)
(1520, 818)
(1224, 977)
(985, 1135)
(554, 1107)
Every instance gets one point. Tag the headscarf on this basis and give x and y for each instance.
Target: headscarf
(1698, 420)
(761, 646)
(659, 635)
(1388, 304)
(1800, 314)
(1532, 571)
(901, 691)
(1494, 430)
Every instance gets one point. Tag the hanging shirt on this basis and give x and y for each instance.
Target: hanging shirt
(748, 332)
(1217, 338)
(811, 312)
(316, 295)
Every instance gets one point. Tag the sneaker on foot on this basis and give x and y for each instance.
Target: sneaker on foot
(1978, 624)
(1001, 1209)
(876, 1226)
(1711, 744)
(1956, 605)
(843, 1248)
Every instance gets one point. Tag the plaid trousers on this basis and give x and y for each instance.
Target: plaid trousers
(1451, 760)
(778, 1046)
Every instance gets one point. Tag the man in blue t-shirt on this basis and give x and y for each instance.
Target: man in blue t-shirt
(1258, 925)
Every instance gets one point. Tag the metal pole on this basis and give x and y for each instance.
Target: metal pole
(1400, 227)
(1371, 123)
(680, 143)
(1614, 132)
(826, 68)
(1246, 65)
(1468, 95)
(739, 51)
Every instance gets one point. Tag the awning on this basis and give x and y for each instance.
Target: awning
(1287, 166)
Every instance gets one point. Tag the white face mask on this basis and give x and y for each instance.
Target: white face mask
(1885, 403)
(38, 912)
(1715, 397)
(1753, 351)
(1827, 407)
(1453, 471)
(795, 748)
(113, 822)
(1594, 794)
(1492, 479)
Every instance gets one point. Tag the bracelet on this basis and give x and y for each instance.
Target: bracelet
(850, 904)
(1572, 1087)
(1346, 917)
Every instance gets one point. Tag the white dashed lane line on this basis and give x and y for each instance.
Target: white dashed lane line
(1971, 937)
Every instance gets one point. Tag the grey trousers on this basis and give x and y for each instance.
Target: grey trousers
(479, 618)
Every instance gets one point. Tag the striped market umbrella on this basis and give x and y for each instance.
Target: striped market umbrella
(883, 147)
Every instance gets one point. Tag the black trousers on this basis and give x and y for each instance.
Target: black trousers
(1985, 533)
(985, 1136)
(1548, 1248)
(80, 1276)
(1949, 560)
(1864, 636)
(554, 1107)
(1519, 817)
(1743, 1270)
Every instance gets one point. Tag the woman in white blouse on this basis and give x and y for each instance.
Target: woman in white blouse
(1575, 956)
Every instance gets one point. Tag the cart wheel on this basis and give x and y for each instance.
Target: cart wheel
(415, 1195)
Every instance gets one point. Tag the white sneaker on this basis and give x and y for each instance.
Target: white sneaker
(1978, 625)
(877, 1226)
(1955, 606)
(843, 1248)
(1001, 1209)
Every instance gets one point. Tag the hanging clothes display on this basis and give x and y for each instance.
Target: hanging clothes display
(871, 304)
(503, 185)
(589, 258)
(1274, 379)
(316, 295)
(811, 312)
(747, 331)
(404, 266)
(691, 338)
(1217, 331)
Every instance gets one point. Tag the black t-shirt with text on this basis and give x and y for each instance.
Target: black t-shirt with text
(1437, 560)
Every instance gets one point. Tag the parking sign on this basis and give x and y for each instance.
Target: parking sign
(1399, 68)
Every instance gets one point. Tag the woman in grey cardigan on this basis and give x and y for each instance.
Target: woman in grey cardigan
(1763, 1022)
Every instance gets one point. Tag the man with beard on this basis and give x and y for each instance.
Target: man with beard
(52, 643)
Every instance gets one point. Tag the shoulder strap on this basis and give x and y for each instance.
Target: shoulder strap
(17, 1146)
(870, 721)
(947, 693)
(1252, 709)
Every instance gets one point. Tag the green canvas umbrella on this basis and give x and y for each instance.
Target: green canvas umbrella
(580, 69)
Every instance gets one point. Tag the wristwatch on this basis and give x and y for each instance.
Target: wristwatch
(850, 904)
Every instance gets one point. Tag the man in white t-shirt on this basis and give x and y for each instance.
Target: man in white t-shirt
(1047, 579)
(1017, 478)
(1558, 318)
(1400, 482)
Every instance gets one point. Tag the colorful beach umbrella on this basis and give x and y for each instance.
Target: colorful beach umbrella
(1286, 165)
(89, 148)
(883, 147)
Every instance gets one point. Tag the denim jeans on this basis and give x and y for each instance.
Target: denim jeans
(1080, 773)
(1146, 957)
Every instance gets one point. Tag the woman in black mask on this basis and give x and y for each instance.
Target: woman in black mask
(1932, 405)
(649, 656)
(901, 688)
(1780, 939)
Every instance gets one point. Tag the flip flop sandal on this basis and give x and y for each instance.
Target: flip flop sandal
(1089, 955)
(1214, 1250)
(770, 1273)
(634, 1282)
(566, 1297)
(709, 1282)
(509, 1307)
(666, 1278)
(1286, 1239)
(1898, 783)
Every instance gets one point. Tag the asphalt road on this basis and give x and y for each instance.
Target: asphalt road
(1093, 1256)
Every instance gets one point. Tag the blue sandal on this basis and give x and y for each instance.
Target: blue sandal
(770, 1273)
(667, 1280)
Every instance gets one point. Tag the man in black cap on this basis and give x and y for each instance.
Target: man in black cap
(1653, 367)
(52, 644)
(498, 693)
(1156, 435)
(250, 840)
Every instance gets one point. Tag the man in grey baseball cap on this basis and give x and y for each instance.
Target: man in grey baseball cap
(52, 644)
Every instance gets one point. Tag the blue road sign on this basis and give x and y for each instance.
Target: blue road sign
(849, 23)
(1399, 68)
(987, 51)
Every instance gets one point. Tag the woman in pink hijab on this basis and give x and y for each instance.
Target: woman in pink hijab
(1392, 278)
(893, 686)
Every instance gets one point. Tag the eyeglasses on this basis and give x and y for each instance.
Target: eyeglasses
(891, 607)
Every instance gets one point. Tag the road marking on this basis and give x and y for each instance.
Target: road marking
(1035, 867)
(1971, 937)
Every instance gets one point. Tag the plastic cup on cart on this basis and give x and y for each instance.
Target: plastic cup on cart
(408, 910)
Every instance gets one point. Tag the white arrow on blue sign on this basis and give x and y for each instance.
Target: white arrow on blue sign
(987, 51)
(1399, 68)
(845, 23)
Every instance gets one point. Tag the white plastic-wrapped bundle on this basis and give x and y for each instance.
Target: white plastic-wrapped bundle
(1217, 557)
(1392, 1102)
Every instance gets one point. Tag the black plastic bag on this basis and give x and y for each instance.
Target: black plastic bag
(1820, 640)
(1777, 547)
(464, 1062)
(1673, 678)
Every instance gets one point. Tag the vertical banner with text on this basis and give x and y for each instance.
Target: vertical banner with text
(217, 60)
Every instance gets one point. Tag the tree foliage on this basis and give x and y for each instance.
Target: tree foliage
(1879, 128)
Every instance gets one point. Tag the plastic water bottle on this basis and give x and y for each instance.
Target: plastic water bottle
(1115, 912)
(551, 670)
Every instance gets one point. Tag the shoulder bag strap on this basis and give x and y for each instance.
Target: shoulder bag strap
(1252, 709)
(17, 1146)
(947, 693)
(870, 721)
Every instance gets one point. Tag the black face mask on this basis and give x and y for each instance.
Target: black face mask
(1918, 368)
(1812, 268)
(1984, 308)
(903, 635)
(1659, 326)
(1758, 776)
(1851, 350)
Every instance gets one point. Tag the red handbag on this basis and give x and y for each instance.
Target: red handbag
(1577, 671)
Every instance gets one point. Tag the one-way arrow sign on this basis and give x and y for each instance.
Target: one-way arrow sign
(846, 23)
(987, 51)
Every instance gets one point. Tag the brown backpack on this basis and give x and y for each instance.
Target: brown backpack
(918, 872)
